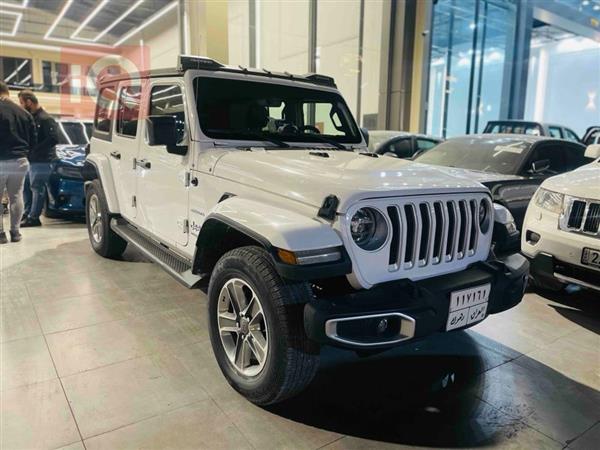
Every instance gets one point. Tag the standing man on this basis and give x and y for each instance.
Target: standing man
(18, 136)
(40, 157)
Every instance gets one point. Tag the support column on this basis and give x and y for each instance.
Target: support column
(206, 23)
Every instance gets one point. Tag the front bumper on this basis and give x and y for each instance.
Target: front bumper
(548, 266)
(412, 309)
(66, 195)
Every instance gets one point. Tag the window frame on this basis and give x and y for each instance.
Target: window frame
(147, 104)
(122, 88)
(100, 134)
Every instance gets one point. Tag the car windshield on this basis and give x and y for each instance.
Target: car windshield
(514, 128)
(488, 155)
(249, 110)
(73, 133)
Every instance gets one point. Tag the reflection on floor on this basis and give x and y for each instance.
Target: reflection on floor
(115, 354)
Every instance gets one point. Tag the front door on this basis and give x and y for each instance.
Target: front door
(163, 178)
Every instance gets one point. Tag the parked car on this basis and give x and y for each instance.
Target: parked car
(260, 183)
(512, 166)
(400, 144)
(561, 233)
(591, 136)
(530, 127)
(66, 196)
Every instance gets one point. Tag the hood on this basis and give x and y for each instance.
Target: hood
(583, 182)
(478, 175)
(70, 154)
(304, 176)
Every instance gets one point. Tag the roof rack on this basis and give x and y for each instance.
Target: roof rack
(190, 62)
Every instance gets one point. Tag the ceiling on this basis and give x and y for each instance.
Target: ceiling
(93, 23)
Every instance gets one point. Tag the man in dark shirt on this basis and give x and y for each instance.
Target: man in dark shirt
(40, 157)
(17, 137)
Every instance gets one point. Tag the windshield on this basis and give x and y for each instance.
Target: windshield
(248, 110)
(74, 133)
(503, 156)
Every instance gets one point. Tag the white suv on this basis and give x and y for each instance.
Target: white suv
(260, 183)
(561, 232)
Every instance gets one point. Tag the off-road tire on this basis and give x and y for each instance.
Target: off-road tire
(292, 359)
(110, 244)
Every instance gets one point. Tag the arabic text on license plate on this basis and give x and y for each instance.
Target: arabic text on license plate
(468, 306)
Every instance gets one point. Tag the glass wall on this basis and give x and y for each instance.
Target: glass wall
(277, 35)
(468, 71)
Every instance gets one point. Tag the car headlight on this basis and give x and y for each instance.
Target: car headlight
(69, 171)
(484, 215)
(369, 229)
(550, 201)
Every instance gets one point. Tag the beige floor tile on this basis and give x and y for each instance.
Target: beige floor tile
(576, 355)
(36, 416)
(63, 285)
(74, 446)
(121, 394)
(107, 343)
(18, 321)
(199, 426)
(25, 361)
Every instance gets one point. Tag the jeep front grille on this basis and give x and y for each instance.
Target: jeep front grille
(429, 235)
(582, 216)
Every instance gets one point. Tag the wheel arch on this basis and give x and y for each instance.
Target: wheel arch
(97, 167)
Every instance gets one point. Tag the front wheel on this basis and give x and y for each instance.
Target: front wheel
(104, 240)
(257, 329)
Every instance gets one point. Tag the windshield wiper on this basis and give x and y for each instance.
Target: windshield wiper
(272, 140)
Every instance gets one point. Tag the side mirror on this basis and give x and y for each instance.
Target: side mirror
(365, 134)
(162, 130)
(592, 151)
(540, 166)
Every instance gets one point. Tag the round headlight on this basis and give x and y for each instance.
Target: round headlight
(484, 216)
(369, 229)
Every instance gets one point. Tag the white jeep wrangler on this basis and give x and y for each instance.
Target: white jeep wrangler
(260, 183)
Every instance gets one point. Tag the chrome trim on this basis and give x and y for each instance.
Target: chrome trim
(407, 329)
(565, 216)
(576, 281)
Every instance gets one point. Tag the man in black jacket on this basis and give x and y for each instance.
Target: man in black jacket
(17, 137)
(40, 157)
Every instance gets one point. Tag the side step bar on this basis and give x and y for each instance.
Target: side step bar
(176, 265)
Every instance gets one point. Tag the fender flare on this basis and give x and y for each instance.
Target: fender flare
(97, 166)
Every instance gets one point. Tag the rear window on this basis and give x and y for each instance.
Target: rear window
(105, 110)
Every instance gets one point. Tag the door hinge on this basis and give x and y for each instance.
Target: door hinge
(186, 226)
(134, 201)
(188, 177)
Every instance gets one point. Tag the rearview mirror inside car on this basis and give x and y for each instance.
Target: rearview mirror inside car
(540, 166)
(163, 130)
(592, 151)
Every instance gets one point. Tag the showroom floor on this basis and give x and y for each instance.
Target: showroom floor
(115, 355)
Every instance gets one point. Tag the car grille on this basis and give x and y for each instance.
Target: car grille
(582, 216)
(429, 236)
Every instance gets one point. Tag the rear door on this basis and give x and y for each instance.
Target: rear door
(163, 178)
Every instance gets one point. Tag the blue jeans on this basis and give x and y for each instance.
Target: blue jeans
(35, 189)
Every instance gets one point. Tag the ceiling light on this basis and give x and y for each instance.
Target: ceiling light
(23, 4)
(61, 14)
(118, 20)
(51, 48)
(147, 22)
(18, 17)
(89, 18)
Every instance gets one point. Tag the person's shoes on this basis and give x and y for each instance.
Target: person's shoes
(15, 236)
(29, 222)
(3, 239)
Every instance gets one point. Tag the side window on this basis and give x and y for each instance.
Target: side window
(167, 100)
(554, 154)
(425, 144)
(128, 111)
(575, 157)
(555, 132)
(570, 135)
(104, 110)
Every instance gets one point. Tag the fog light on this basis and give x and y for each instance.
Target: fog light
(382, 326)
(532, 237)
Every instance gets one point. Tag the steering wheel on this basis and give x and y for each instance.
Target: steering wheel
(310, 128)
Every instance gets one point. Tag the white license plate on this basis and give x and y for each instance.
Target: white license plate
(468, 306)
(590, 257)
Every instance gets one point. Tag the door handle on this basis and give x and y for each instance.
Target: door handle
(144, 164)
(116, 155)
